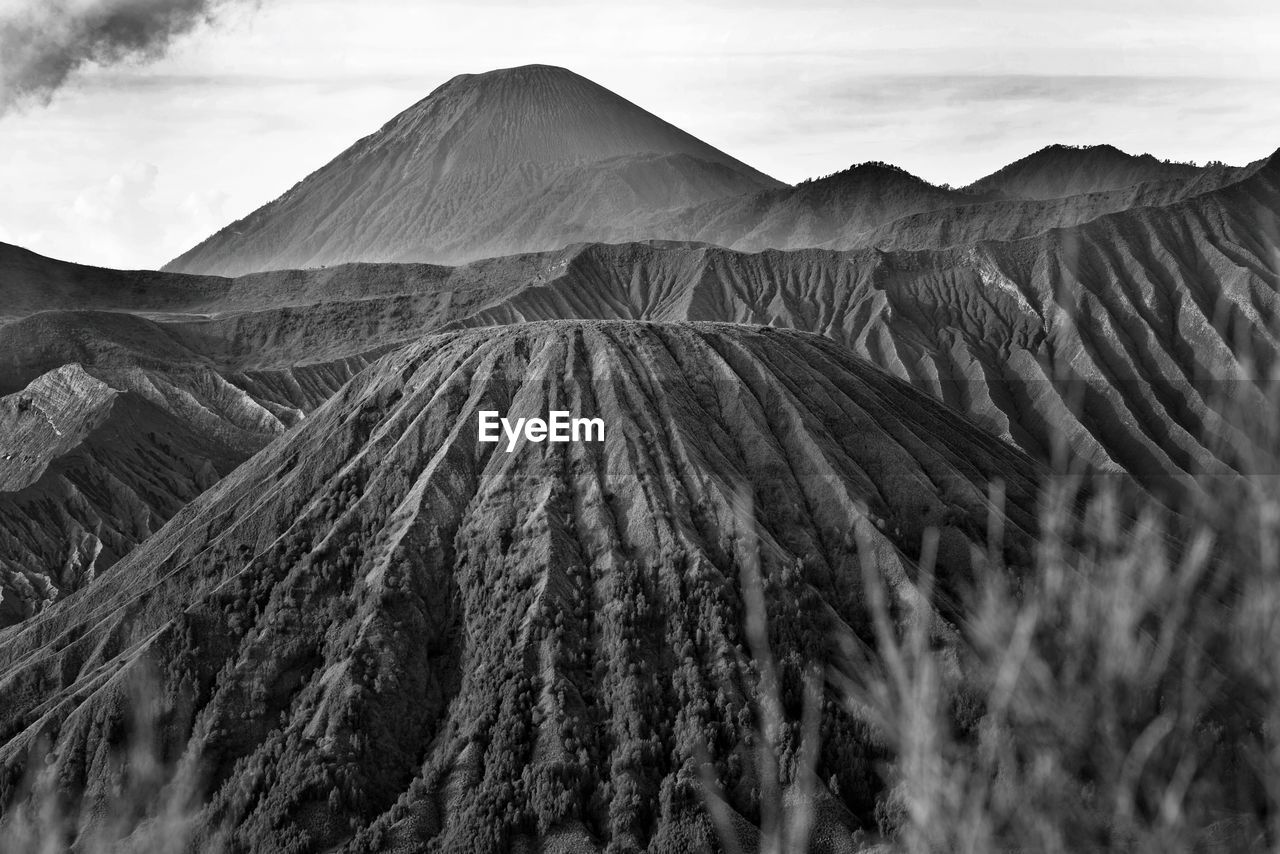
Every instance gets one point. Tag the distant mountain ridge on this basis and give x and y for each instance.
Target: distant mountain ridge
(536, 158)
(1058, 171)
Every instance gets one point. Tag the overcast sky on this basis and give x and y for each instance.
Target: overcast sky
(134, 160)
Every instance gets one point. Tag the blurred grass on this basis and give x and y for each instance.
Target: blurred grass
(1122, 695)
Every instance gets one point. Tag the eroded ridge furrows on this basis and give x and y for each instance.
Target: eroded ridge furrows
(201, 373)
(116, 424)
(381, 634)
(1138, 340)
(92, 463)
(1143, 341)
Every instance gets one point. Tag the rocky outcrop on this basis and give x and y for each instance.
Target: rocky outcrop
(90, 466)
(48, 419)
(95, 458)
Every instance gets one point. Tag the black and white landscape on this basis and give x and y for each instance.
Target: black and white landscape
(919, 517)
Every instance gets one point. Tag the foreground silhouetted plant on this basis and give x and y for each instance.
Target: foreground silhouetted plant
(1120, 694)
(1119, 697)
(141, 804)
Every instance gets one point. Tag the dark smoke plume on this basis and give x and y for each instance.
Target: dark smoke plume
(43, 41)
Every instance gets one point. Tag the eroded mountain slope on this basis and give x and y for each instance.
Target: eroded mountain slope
(187, 377)
(534, 644)
(111, 424)
(90, 468)
(1142, 341)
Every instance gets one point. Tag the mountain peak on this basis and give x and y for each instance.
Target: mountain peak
(541, 114)
(875, 171)
(521, 78)
(1060, 147)
(879, 167)
(532, 73)
(513, 160)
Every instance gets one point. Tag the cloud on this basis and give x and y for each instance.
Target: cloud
(122, 196)
(116, 217)
(42, 42)
(134, 218)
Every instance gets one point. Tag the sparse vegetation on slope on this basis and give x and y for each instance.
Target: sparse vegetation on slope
(379, 631)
